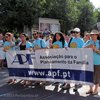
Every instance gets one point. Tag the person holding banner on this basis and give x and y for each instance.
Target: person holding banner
(59, 42)
(1, 51)
(76, 42)
(37, 45)
(95, 45)
(9, 45)
(25, 45)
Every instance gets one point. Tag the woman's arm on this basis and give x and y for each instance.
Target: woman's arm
(89, 46)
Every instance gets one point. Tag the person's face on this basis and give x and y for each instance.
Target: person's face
(35, 35)
(7, 37)
(23, 38)
(39, 35)
(67, 38)
(72, 33)
(51, 36)
(87, 37)
(58, 37)
(76, 34)
(94, 36)
(1, 37)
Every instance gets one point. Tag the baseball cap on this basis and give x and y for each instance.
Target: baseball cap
(76, 29)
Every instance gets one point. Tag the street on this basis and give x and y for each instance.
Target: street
(49, 92)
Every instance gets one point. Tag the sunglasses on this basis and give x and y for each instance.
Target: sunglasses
(76, 32)
(34, 34)
(6, 37)
(72, 32)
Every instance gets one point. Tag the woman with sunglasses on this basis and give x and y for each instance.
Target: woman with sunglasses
(24, 45)
(9, 45)
(59, 42)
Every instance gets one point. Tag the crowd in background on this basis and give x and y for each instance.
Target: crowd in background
(46, 40)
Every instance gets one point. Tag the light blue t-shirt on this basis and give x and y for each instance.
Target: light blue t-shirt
(7, 46)
(77, 43)
(28, 45)
(58, 44)
(96, 56)
(39, 44)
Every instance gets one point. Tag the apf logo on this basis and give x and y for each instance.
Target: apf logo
(22, 58)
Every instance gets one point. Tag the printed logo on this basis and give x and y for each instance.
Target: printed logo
(36, 46)
(73, 45)
(56, 46)
(7, 47)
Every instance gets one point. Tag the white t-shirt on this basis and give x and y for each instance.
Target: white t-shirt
(47, 42)
(1, 50)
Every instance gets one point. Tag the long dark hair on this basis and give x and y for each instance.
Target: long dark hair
(98, 37)
(24, 34)
(62, 39)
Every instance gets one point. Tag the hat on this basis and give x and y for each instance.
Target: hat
(94, 32)
(76, 29)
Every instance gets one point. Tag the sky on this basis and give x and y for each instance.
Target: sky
(96, 3)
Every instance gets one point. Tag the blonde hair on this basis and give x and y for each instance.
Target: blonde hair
(88, 34)
(9, 34)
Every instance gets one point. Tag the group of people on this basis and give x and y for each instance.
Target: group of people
(54, 41)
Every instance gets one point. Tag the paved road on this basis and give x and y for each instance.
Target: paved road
(49, 92)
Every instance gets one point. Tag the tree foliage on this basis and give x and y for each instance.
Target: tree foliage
(86, 17)
(15, 14)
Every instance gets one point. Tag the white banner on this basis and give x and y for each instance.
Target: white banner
(60, 65)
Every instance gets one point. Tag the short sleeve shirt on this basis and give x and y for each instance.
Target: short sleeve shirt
(96, 56)
(77, 43)
(58, 44)
(39, 44)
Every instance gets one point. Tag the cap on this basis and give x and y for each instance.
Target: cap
(76, 29)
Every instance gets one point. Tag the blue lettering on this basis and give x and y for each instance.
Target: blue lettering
(28, 58)
(20, 60)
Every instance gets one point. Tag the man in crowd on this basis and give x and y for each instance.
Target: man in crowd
(37, 45)
(76, 42)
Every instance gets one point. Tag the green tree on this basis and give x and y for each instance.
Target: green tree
(62, 10)
(97, 12)
(87, 19)
(15, 14)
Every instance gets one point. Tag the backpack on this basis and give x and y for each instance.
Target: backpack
(69, 42)
(41, 43)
